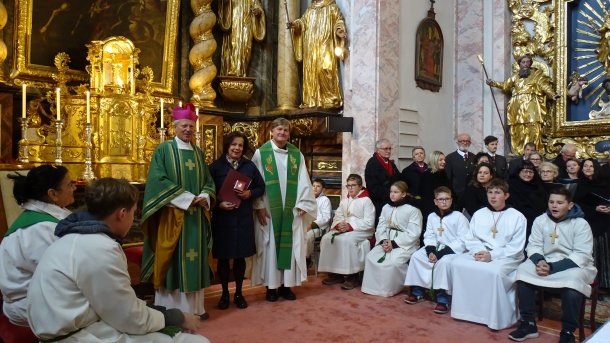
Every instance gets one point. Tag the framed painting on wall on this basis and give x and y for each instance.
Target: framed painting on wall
(429, 54)
(44, 28)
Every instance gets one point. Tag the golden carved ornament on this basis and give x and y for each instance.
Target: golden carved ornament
(302, 127)
(201, 54)
(250, 130)
(3, 50)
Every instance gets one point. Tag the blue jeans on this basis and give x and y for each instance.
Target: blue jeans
(441, 295)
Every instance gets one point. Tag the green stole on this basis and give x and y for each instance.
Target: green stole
(28, 218)
(281, 213)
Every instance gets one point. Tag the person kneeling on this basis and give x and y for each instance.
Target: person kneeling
(398, 237)
(430, 266)
(483, 280)
(81, 290)
(560, 256)
(343, 248)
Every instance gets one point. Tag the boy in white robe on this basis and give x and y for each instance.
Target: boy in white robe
(430, 266)
(560, 250)
(344, 247)
(81, 290)
(483, 280)
(318, 227)
(397, 238)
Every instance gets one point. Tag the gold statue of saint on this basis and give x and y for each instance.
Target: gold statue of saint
(526, 109)
(319, 38)
(241, 20)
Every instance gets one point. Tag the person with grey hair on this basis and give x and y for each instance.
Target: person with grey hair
(459, 166)
(414, 173)
(568, 151)
(379, 174)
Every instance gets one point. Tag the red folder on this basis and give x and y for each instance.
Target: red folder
(234, 181)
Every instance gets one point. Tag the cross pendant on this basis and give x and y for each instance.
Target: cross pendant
(553, 236)
(494, 231)
(440, 231)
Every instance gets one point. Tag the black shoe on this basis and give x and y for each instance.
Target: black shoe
(526, 330)
(566, 337)
(240, 301)
(204, 316)
(271, 295)
(286, 293)
(223, 303)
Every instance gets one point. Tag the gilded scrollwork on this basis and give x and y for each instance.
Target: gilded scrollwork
(248, 129)
(302, 127)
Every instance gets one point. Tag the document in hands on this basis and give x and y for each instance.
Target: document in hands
(235, 181)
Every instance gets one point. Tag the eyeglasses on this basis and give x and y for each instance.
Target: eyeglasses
(534, 159)
(545, 171)
(527, 171)
(351, 185)
(463, 141)
(443, 199)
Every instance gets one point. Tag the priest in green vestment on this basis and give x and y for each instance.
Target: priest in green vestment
(284, 212)
(175, 219)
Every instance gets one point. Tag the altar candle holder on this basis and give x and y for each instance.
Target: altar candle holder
(88, 174)
(59, 124)
(198, 139)
(162, 132)
(23, 143)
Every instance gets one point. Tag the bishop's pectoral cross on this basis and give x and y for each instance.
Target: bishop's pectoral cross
(440, 230)
(553, 236)
(494, 231)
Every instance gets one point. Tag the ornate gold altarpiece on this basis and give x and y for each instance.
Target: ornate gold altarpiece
(567, 36)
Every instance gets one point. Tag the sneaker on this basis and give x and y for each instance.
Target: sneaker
(566, 337)
(349, 284)
(413, 299)
(441, 308)
(333, 279)
(526, 330)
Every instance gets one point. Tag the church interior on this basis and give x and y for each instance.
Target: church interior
(92, 85)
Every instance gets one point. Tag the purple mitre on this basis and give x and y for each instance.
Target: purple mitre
(187, 111)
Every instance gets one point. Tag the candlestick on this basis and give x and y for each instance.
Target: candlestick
(197, 122)
(58, 129)
(58, 97)
(23, 100)
(198, 138)
(23, 143)
(88, 95)
(162, 113)
(162, 132)
(88, 175)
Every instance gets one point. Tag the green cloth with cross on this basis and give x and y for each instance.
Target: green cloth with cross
(172, 172)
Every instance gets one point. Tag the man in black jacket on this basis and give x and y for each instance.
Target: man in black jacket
(497, 161)
(460, 164)
(379, 174)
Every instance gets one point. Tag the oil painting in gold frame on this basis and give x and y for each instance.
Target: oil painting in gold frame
(67, 26)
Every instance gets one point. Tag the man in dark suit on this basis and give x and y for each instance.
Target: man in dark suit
(567, 152)
(497, 161)
(379, 174)
(459, 166)
(515, 163)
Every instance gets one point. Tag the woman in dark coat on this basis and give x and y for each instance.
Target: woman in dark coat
(475, 195)
(233, 226)
(527, 193)
(596, 214)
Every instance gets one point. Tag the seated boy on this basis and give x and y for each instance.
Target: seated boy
(319, 226)
(81, 290)
(560, 250)
(344, 247)
(430, 265)
(483, 280)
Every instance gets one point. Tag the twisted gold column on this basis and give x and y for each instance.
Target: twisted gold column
(201, 53)
(3, 51)
(287, 72)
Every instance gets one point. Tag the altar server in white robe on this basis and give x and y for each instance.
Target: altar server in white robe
(430, 266)
(43, 194)
(560, 250)
(81, 290)
(483, 280)
(344, 247)
(318, 227)
(284, 212)
(397, 238)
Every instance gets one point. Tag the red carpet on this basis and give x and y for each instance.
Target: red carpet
(330, 314)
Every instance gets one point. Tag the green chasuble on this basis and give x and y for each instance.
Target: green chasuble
(173, 171)
(281, 212)
(28, 218)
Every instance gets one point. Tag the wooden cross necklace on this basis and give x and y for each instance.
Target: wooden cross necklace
(554, 234)
(494, 230)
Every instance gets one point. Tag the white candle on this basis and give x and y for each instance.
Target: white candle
(161, 113)
(180, 103)
(57, 95)
(88, 95)
(23, 101)
(197, 113)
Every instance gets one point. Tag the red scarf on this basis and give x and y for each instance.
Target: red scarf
(386, 165)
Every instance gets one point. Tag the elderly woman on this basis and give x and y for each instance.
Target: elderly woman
(43, 194)
(233, 224)
(344, 247)
(548, 172)
(475, 195)
(397, 238)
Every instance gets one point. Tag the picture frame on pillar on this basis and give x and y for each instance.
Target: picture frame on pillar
(429, 46)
